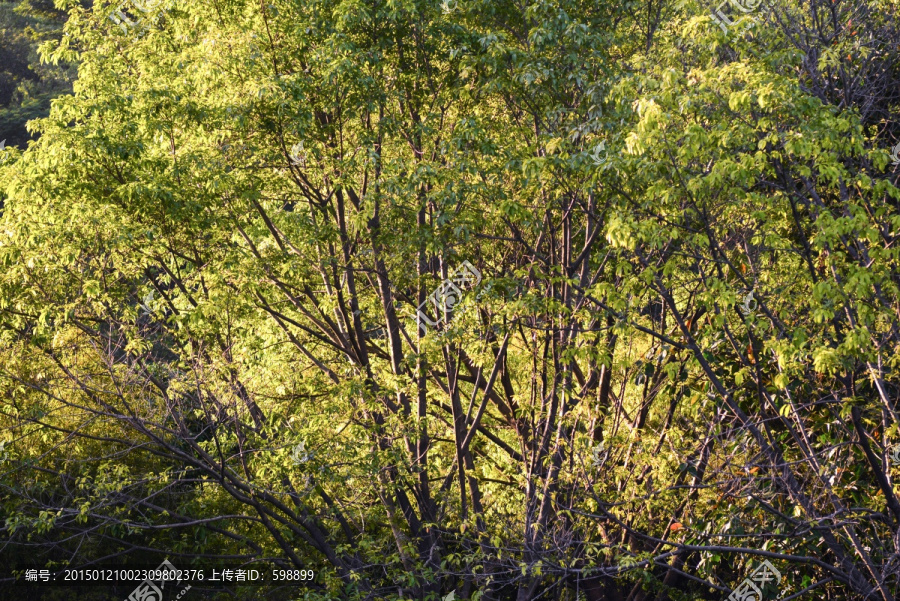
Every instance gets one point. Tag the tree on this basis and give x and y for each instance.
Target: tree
(545, 301)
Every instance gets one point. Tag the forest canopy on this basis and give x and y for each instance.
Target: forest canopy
(472, 299)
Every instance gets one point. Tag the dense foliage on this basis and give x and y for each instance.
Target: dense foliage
(679, 359)
(26, 84)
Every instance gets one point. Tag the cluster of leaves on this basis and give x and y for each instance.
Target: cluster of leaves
(26, 84)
